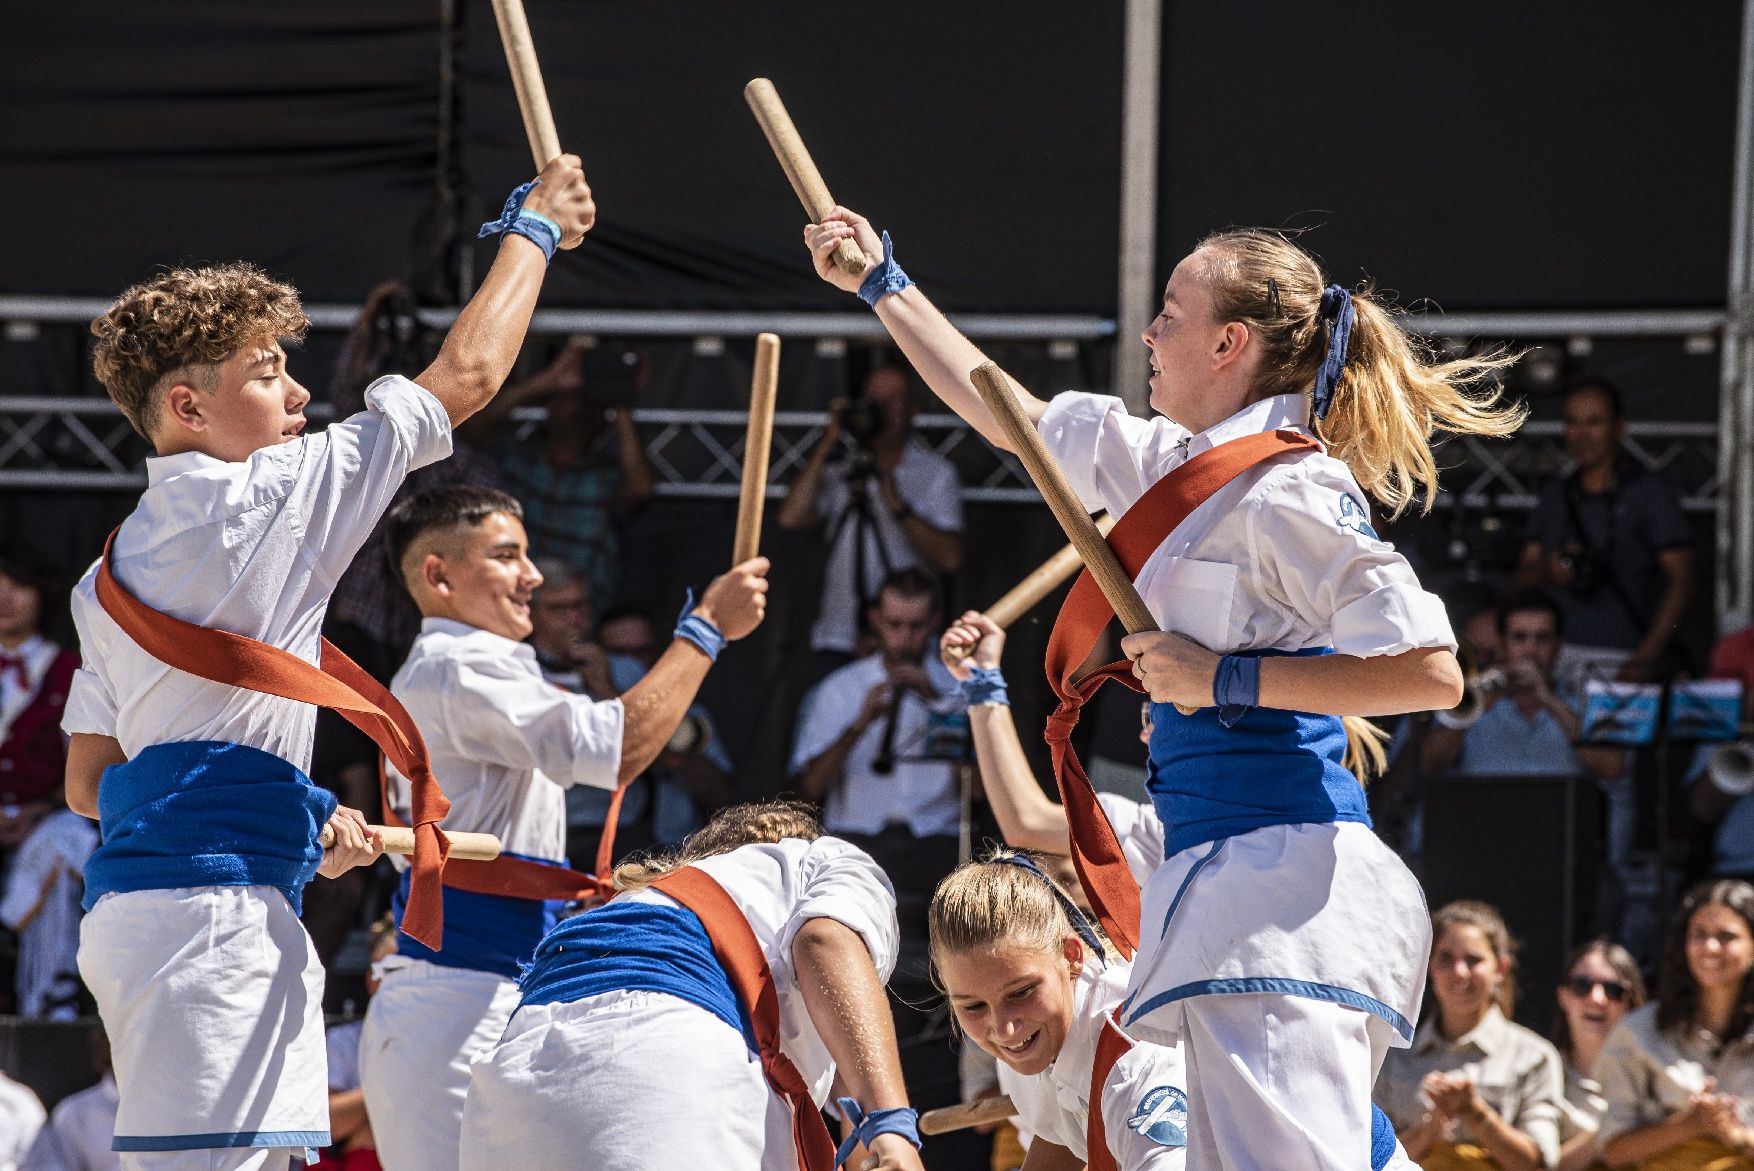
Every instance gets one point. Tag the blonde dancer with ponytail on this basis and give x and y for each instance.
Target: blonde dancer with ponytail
(1281, 944)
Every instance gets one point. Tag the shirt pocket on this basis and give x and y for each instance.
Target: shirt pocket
(1192, 598)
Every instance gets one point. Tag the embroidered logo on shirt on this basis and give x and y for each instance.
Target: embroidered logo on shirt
(1162, 1117)
(1354, 517)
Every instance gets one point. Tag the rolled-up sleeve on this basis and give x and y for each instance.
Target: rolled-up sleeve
(1321, 557)
(841, 882)
(1543, 1085)
(1108, 456)
(91, 705)
(497, 713)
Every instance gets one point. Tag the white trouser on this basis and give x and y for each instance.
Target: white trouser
(421, 1030)
(1279, 1083)
(232, 1159)
(623, 1081)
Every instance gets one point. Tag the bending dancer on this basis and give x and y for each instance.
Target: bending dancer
(506, 745)
(208, 986)
(1283, 944)
(638, 1046)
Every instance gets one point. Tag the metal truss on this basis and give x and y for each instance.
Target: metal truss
(84, 444)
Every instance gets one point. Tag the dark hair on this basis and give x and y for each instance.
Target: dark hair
(1624, 966)
(623, 610)
(1484, 918)
(907, 583)
(30, 568)
(441, 508)
(1677, 990)
(1595, 383)
(1531, 601)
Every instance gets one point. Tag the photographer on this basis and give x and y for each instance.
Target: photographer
(1611, 540)
(1526, 729)
(584, 471)
(894, 505)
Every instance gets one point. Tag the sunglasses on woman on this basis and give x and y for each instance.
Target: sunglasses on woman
(1582, 986)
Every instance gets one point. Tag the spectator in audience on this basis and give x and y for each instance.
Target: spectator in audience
(351, 1146)
(34, 677)
(1476, 1089)
(1600, 986)
(691, 778)
(1678, 1075)
(894, 505)
(582, 472)
(1610, 537)
(82, 1125)
(21, 1120)
(1527, 729)
(1715, 796)
(866, 747)
(42, 904)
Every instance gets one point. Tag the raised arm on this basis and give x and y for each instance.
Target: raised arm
(936, 348)
(1026, 817)
(479, 351)
(847, 1004)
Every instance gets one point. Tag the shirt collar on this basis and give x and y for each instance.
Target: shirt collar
(1282, 411)
(160, 468)
(498, 642)
(1487, 1036)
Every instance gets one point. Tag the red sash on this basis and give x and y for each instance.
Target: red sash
(1111, 1043)
(236, 660)
(1096, 852)
(740, 954)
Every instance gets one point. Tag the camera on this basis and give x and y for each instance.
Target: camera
(1588, 569)
(862, 420)
(692, 735)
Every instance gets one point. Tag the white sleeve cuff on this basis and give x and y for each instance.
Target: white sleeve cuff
(419, 420)
(598, 727)
(88, 709)
(1071, 428)
(1394, 618)
(845, 885)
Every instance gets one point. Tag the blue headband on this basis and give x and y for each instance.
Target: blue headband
(1080, 924)
(1336, 307)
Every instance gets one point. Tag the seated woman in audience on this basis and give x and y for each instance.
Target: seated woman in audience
(1678, 1074)
(1600, 986)
(1475, 1090)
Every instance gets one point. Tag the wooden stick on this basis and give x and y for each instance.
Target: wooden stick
(1043, 580)
(795, 161)
(520, 53)
(399, 839)
(756, 445)
(1117, 587)
(976, 1113)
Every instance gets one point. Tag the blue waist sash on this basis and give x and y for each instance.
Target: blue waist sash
(629, 946)
(207, 813)
(488, 933)
(1271, 768)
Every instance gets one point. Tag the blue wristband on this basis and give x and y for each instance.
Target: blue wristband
(532, 225)
(884, 278)
(1236, 687)
(902, 1120)
(697, 630)
(985, 685)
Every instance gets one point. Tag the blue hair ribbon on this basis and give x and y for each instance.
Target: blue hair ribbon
(902, 1120)
(1336, 307)
(1080, 923)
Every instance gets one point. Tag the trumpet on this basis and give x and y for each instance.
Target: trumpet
(1731, 768)
(1479, 689)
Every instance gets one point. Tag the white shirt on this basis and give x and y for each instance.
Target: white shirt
(1144, 1098)
(781, 886)
(79, 1132)
(1281, 558)
(341, 1043)
(38, 654)
(926, 483)
(920, 792)
(45, 887)
(505, 743)
(254, 548)
(1140, 832)
(21, 1117)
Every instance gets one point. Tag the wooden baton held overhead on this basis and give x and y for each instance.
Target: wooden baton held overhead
(795, 161)
(520, 54)
(967, 1114)
(400, 840)
(756, 445)
(1104, 566)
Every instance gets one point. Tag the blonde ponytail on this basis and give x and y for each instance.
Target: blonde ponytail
(1393, 394)
(1367, 752)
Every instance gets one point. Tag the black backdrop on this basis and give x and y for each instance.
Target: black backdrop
(1493, 155)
